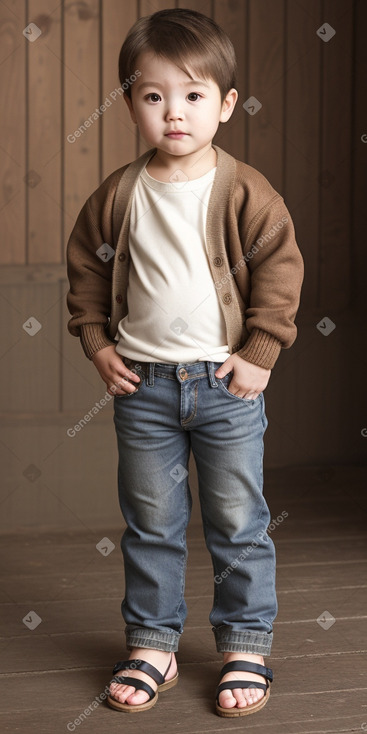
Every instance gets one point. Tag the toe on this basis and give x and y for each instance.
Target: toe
(252, 695)
(226, 699)
(114, 689)
(120, 693)
(241, 699)
(137, 698)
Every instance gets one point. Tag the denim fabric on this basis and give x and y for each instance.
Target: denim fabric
(178, 407)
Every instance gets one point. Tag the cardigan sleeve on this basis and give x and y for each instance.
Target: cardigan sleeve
(276, 269)
(90, 281)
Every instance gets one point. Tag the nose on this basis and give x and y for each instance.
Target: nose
(173, 116)
(173, 111)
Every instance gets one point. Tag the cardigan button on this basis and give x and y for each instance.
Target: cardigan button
(218, 261)
(122, 257)
(119, 299)
(227, 299)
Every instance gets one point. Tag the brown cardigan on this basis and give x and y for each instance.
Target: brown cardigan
(253, 256)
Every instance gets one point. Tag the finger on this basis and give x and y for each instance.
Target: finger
(125, 384)
(131, 375)
(113, 390)
(241, 393)
(125, 372)
(122, 386)
(117, 391)
(222, 372)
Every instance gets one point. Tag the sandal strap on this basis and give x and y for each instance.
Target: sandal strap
(143, 666)
(136, 682)
(246, 667)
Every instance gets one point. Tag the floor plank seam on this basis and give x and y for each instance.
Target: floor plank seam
(274, 658)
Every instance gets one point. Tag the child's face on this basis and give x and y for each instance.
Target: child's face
(164, 98)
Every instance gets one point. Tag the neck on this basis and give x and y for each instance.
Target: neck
(192, 165)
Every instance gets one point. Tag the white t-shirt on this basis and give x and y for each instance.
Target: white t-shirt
(174, 313)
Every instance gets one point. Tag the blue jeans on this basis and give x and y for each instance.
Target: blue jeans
(178, 407)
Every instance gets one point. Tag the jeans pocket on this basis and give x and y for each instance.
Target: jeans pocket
(130, 394)
(127, 394)
(224, 383)
(136, 368)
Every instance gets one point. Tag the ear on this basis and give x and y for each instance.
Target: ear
(130, 106)
(228, 105)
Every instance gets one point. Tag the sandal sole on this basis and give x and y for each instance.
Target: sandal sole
(131, 708)
(168, 684)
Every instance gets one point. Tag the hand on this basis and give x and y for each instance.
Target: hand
(114, 372)
(248, 380)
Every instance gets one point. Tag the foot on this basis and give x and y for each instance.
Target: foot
(241, 697)
(158, 658)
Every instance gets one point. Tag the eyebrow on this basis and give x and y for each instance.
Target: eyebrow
(156, 84)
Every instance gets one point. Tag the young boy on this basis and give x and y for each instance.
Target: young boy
(184, 323)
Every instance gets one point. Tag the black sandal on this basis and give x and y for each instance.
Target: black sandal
(246, 667)
(138, 684)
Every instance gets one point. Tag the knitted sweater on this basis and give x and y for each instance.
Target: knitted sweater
(254, 259)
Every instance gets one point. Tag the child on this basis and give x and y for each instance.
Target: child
(184, 323)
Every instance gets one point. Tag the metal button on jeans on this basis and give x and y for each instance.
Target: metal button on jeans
(183, 373)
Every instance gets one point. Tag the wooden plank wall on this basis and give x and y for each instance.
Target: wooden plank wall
(306, 140)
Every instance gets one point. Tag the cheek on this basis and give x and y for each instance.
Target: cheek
(150, 116)
(145, 120)
(210, 114)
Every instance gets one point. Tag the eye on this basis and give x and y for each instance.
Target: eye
(154, 97)
(153, 94)
(194, 94)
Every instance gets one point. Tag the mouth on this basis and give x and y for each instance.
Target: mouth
(175, 134)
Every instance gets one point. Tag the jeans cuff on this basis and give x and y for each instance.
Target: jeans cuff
(151, 638)
(250, 641)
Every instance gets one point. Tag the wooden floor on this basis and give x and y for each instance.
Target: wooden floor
(54, 672)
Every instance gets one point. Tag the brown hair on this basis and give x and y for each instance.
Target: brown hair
(184, 37)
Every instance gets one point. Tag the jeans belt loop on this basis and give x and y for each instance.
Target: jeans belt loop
(212, 380)
(150, 374)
